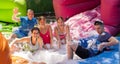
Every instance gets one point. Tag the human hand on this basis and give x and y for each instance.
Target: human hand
(45, 47)
(15, 10)
(14, 48)
(101, 46)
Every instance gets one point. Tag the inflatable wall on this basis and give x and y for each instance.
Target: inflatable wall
(108, 12)
(6, 9)
(68, 8)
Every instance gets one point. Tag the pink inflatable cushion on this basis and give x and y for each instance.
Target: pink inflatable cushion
(110, 12)
(68, 8)
(81, 25)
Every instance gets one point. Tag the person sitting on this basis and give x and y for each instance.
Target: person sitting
(34, 41)
(104, 40)
(26, 24)
(5, 57)
(45, 32)
(62, 33)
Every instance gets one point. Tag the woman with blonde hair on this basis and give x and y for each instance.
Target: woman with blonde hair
(62, 32)
(45, 32)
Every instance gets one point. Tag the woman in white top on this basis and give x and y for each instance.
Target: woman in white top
(34, 42)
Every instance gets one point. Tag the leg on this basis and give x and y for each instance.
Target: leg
(82, 52)
(70, 49)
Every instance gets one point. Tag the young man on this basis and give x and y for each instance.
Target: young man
(26, 23)
(104, 40)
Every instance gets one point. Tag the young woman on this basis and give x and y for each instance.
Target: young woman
(45, 32)
(34, 41)
(62, 32)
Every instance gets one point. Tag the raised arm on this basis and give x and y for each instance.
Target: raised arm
(15, 14)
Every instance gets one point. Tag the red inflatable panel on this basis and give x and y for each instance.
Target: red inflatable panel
(112, 30)
(110, 14)
(68, 8)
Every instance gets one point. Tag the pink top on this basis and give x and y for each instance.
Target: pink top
(62, 36)
(46, 37)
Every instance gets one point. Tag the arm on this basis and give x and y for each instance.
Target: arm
(68, 33)
(21, 40)
(15, 13)
(51, 36)
(68, 37)
(112, 41)
(57, 37)
(40, 41)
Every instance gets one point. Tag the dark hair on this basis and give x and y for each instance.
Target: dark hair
(41, 17)
(35, 28)
(98, 23)
(60, 18)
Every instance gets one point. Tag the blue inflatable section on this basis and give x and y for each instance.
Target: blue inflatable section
(107, 57)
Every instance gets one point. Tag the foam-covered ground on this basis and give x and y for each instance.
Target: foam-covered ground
(55, 56)
(52, 56)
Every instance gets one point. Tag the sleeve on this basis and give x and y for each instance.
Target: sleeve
(108, 35)
(35, 21)
(22, 19)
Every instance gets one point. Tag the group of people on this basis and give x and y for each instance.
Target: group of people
(38, 35)
(41, 33)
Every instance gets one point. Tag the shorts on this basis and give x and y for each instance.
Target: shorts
(19, 33)
(82, 52)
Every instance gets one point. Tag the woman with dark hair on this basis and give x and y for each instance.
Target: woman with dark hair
(34, 41)
(62, 32)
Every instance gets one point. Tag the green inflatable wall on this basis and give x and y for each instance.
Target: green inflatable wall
(7, 6)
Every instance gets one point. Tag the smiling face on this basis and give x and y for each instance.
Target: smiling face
(60, 22)
(42, 20)
(30, 14)
(35, 33)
